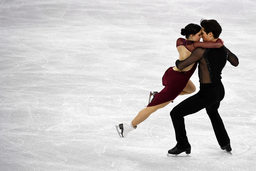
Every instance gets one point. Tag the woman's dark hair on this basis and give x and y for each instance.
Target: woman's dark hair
(190, 29)
(211, 26)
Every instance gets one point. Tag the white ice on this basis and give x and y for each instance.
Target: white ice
(70, 70)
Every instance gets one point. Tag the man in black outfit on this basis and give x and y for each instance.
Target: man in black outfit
(211, 62)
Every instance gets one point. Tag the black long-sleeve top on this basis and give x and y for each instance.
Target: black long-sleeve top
(211, 63)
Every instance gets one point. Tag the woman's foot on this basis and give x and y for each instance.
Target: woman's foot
(123, 129)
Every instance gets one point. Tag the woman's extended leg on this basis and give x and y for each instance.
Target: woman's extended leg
(124, 128)
(146, 112)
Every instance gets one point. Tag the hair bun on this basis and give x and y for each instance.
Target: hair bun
(183, 32)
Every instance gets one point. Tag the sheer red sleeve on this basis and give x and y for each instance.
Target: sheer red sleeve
(217, 44)
(180, 41)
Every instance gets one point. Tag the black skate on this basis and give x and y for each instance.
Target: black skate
(151, 96)
(227, 148)
(177, 150)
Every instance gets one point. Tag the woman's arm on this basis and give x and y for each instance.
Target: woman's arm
(219, 43)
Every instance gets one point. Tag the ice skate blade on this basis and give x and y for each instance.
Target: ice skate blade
(118, 131)
(178, 155)
(229, 152)
(151, 96)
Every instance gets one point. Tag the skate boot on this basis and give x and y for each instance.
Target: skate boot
(227, 148)
(123, 129)
(179, 149)
(151, 96)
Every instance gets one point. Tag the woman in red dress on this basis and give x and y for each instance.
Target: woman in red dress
(176, 82)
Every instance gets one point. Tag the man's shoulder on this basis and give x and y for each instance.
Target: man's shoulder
(216, 52)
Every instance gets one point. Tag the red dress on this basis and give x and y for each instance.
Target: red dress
(175, 81)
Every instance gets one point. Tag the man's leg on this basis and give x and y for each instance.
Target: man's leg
(217, 124)
(189, 106)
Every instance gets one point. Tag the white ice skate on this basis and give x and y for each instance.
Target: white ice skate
(123, 129)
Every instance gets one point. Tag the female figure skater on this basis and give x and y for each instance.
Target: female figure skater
(176, 81)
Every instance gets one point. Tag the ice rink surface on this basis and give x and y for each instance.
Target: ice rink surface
(70, 70)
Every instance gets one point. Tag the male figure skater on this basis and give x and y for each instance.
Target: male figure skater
(211, 62)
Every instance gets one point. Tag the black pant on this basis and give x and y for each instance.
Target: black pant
(208, 97)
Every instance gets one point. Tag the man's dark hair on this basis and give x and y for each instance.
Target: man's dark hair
(211, 26)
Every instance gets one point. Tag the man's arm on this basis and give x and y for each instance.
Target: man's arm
(196, 55)
(232, 58)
